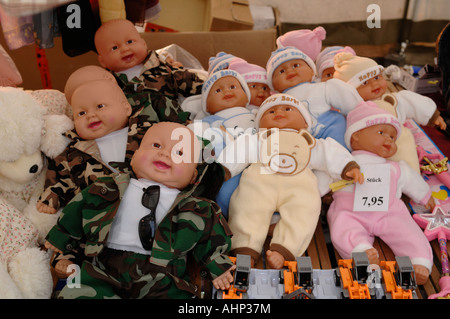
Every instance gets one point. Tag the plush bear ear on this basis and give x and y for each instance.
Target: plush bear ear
(53, 142)
(388, 102)
(308, 137)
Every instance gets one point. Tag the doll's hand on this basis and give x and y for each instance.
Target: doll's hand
(223, 281)
(430, 205)
(440, 122)
(356, 175)
(50, 246)
(44, 208)
(61, 268)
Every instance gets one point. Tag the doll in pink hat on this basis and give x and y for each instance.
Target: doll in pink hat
(256, 78)
(366, 76)
(359, 213)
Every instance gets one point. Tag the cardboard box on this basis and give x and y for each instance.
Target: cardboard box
(226, 15)
(427, 81)
(253, 46)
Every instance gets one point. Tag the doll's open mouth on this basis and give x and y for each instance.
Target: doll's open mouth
(228, 96)
(128, 57)
(161, 165)
(94, 125)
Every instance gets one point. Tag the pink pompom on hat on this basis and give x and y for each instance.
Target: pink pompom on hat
(250, 72)
(367, 114)
(308, 41)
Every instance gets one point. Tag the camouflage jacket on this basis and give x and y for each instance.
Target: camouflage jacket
(194, 228)
(160, 85)
(80, 164)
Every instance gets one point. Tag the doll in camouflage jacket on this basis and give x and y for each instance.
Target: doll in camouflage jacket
(145, 77)
(149, 260)
(95, 99)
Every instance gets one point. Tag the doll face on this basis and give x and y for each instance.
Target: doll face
(378, 139)
(225, 93)
(259, 92)
(167, 155)
(119, 45)
(98, 109)
(291, 73)
(373, 88)
(283, 116)
(327, 74)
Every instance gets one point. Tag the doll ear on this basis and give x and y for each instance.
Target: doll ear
(308, 137)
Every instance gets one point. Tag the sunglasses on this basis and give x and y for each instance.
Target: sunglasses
(147, 224)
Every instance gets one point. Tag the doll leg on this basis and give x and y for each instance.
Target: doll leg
(299, 216)
(251, 209)
(401, 233)
(348, 231)
(225, 192)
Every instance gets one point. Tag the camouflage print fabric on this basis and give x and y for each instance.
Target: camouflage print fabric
(194, 230)
(155, 92)
(80, 164)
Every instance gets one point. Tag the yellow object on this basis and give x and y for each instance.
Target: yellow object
(340, 184)
(111, 9)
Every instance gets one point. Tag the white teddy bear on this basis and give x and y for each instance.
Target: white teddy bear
(29, 131)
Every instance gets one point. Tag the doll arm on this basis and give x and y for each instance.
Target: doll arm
(68, 229)
(239, 153)
(332, 158)
(223, 281)
(59, 186)
(341, 95)
(411, 105)
(412, 184)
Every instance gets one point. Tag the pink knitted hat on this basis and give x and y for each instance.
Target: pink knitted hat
(367, 114)
(250, 72)
(308, 41)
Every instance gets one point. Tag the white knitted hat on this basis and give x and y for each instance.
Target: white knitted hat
(282, 55)
(220, 74)
(284, 99)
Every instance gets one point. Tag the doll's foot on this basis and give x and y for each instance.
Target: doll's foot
(274, 259)
(422, 274)
(372, 254)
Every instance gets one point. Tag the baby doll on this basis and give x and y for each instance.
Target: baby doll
(256, 78)
(325, 62)
(143, 76)
(291, 71)
(371, 134)
(101, 117)
(225, 95)
(366, 76)
(280, 180)
(145, 228)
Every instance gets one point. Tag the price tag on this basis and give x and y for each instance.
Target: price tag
(373, 194)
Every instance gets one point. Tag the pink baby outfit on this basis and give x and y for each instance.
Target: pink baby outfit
(353, 231)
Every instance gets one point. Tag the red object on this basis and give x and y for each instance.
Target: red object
(151, 27)
(42, 63)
